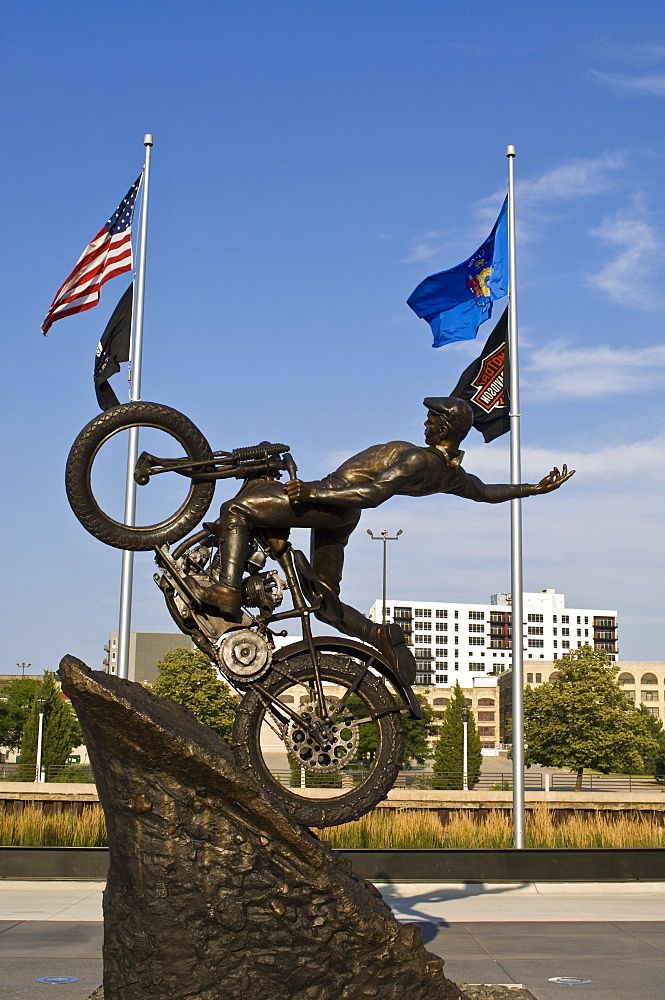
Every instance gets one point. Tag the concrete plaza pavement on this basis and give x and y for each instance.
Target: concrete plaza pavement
(610, 933)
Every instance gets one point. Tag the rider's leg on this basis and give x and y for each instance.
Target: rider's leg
(327, 553)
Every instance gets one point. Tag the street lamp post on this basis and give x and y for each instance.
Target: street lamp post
(23, 667)
(465, 749)
(40, 741)
(385, 538)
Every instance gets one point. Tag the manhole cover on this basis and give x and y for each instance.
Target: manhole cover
(568, 981)
(57, 979)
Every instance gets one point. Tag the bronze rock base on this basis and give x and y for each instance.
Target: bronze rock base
(214, 892)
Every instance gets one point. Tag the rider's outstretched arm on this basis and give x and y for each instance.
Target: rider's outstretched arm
(475, 489)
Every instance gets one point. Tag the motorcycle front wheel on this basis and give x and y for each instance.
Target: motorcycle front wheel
(351, 772)
(95, 483)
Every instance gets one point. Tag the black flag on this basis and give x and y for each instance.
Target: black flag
(113, 348)
(486, 384)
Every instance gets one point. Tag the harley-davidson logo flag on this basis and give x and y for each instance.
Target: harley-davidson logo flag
(486, 384)
(113, 348)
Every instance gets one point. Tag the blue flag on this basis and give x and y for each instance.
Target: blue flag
(457, 301)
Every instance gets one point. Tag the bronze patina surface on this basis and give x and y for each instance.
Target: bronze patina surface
(213, 892)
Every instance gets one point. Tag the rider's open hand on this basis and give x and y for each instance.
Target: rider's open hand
(553, 480)
(298, 492)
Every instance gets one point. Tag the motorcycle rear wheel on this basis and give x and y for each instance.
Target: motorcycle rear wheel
(387, 733)
(86, 448)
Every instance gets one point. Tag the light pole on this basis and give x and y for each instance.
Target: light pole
(385, 538)
(40, 740)
(23, 667)
(465, 749)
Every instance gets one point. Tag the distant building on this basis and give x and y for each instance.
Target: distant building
(145, 651)
(454, 641)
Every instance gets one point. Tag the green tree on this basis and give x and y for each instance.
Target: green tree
(449, 748)
(418, 732)
(656, 764)
(582, 719)
(61, 731)
(18, 697)
(188, 677)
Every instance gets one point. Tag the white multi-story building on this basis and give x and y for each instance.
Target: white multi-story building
(457, 642)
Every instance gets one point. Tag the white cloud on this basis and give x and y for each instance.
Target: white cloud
(579, 178)
(592, 372)
(421, 251)
(627, 277)
(653, 84)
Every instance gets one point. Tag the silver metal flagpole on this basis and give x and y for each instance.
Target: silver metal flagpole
(127, 575)
(516, 586)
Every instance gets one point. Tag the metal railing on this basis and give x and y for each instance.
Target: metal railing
(414, 778)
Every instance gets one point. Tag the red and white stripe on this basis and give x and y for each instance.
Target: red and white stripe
(104, 258)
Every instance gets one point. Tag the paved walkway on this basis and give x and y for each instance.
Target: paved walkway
(610, 933)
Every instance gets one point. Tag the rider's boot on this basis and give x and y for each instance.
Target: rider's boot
(226, 595)
(391, 641)
(226, 599)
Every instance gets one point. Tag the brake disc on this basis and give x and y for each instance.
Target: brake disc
(245, 655)
(323, 754)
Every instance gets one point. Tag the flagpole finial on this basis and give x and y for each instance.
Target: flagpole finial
(147, 139)
(510, 150)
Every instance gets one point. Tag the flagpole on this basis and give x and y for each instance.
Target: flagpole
(127, 574)
(516, 585)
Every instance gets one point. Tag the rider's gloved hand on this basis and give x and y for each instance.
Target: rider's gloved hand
(299, 492)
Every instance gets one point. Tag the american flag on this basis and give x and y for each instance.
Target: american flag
(109, 254)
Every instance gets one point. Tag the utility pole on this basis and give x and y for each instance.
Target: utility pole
(385, 538)
(40, 741)
(465, 749)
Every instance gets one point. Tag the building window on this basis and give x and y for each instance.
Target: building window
(554, 643)
(427, 626)
(440, 701)
(565, 619)
(476, 628)
(486, 701)
(496, 616)
(579, 631)
(565, 631)
(604, 622)
(486, 716)
(457, 640)
(649, 679)
(486, 730)
(442, 626)
(423, 613)
(456, 665)
(476, 667)
(625, 679)
(536, 643)
(286, 699)
(536, 630)
(554, 618)
(457, 614)
(649, 696)
(424, 653)
(441, 652)
(534, 618)
(478, 616)
(652, 711)
(539, 678)
(476, 640)
(529, 678)
(441, 678)
(565, 644)
(586, 620)
(441, 613)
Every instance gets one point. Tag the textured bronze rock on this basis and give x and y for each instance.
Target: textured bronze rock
(215, 894)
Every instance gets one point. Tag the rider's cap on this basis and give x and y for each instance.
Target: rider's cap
(457, 412)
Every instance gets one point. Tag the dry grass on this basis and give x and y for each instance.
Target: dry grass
(382, 828)
(386, 828)
(32, 827)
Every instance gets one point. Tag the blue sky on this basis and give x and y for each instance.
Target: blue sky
(312, 163)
